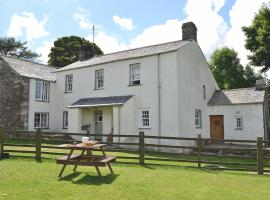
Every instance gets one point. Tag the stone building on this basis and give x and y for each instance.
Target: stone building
(15, 78)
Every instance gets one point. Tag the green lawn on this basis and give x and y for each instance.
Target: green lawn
(24, 178)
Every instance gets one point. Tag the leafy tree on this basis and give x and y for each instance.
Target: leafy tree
(10, 47)
(66, 50)
(258, 39)
(251, 77)
(228, 71)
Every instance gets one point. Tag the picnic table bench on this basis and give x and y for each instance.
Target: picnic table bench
(86, 158)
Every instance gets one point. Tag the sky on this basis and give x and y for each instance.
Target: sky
(126, 24)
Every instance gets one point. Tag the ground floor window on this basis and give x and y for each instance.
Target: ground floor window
(198, 118)
(41, 120)
(145, 118)
(239, 122)
(65, 119)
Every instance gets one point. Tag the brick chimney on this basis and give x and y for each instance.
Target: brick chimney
(84, 53)
(189, 31)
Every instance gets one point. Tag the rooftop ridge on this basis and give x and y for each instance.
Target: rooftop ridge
(244, 88)
(29, 61)
(154, 45)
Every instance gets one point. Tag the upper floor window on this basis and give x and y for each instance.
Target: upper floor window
(198, 118)
(69, 83)
(239, 122)
(135, 76)
(65, 119)
(99, 79)
(145, 118)
(41, 120)
(42, 90)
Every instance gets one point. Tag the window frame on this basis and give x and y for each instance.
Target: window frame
(99, 79)
(40, 120)
(44, 86)
(240, 127)
(132, 80)
(68, 83)
(198, 118)
(65, 119)
(142, 117)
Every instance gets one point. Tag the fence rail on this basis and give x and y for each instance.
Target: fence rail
(259, 152)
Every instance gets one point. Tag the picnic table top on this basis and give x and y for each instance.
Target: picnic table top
(81, 146)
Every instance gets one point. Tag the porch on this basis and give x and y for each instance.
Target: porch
(100, 115)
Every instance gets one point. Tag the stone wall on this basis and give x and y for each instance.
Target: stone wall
(14, 98)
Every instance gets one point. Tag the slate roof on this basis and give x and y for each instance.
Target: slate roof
(128, 54)
(237, 96)
(31, 69)
(100, 101)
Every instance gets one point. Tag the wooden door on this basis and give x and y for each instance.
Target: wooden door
(217, 127)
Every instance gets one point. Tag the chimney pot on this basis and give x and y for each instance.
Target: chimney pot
(189, 31)
(84, 53)
(260, 84)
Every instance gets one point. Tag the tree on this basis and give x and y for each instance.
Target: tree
(66, 50)
(10, 47)
(251, 77)
(258, 39)
(228, 71)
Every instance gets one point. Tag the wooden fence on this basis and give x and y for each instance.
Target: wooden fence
(199, 151)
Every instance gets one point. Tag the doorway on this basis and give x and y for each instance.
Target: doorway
(217, 126)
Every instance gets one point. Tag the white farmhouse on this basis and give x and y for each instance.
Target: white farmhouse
(164, 90)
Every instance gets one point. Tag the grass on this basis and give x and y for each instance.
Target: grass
(21, 177)
(24, 178)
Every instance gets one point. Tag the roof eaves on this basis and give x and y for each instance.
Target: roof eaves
(61, 70)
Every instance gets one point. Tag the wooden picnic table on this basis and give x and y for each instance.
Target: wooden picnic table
(86, 158)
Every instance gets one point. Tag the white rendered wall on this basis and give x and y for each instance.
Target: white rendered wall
(252, 115)
(193, 73)
(38, 106)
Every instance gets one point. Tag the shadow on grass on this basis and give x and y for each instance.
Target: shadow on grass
(90, 178)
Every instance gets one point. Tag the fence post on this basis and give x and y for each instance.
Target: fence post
(259, 156)
(141, 147)
(199, 145)
(1, 141)
(38, 144)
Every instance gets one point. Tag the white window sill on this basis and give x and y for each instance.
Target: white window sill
(238, 128)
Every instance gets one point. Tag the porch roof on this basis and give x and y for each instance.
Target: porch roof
(100, 101)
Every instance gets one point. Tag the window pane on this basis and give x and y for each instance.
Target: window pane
(135, 74)
(45, 91)
(99, 79)
(145, 119)
(65, 119)
(68, 84)
(37, 120)
(39, 86)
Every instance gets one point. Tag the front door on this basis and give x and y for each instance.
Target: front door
(99, 124)
(216, 127)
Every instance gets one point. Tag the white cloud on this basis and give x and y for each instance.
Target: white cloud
(124, 23)
(108, 43)
(211, 26)
(241, 15)
(82, 17)
(44, 50)
(169, 31)
(27, 25)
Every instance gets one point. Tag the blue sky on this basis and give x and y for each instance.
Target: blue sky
(122, 24)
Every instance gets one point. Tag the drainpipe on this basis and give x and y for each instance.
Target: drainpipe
(159, 99)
